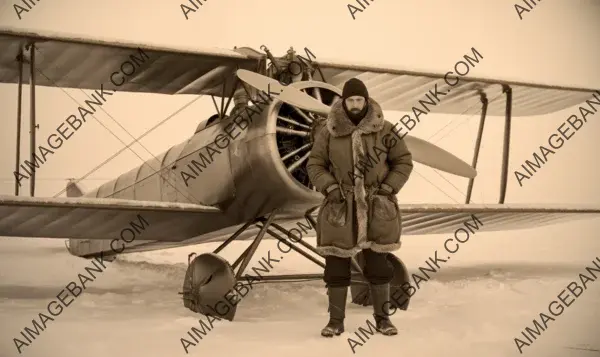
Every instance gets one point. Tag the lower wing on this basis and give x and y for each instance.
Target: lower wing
(92, 218)
(446, 218)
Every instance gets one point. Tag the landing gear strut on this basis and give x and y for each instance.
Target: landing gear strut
(209, 285)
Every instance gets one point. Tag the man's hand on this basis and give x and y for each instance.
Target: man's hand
(381, 192)
(335, 196)
(384, 190)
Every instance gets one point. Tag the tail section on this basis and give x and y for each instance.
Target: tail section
(73, 190)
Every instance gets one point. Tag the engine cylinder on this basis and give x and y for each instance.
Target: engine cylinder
(274, 155)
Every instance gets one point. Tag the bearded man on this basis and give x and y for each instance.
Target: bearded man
(360, 164)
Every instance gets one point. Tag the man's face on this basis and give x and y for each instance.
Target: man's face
(355, 104)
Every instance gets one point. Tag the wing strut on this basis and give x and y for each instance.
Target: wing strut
(506, 147)
(19, 117)
(484, 102)
(32, 126)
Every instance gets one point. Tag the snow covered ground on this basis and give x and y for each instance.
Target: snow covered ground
(493, 288)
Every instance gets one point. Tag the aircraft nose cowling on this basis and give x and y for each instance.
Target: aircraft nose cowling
(208, 287)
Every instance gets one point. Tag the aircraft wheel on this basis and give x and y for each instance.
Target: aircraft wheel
(361, 294)
(208, 280)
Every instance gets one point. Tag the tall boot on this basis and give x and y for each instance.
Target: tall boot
(380, 294)
(337, 311)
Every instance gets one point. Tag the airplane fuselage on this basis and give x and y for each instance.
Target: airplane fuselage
(233, 164)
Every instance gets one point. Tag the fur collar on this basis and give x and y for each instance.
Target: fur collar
(339, 124)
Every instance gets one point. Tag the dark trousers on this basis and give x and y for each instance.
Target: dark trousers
(377, 269)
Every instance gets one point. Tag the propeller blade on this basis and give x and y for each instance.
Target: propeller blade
(260, 82)
(287, 94)
(434, 156)
(422, 151)
(297, 98)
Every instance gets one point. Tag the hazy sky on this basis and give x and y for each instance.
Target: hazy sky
(555, 43)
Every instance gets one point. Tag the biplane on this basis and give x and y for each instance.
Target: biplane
(258, 186)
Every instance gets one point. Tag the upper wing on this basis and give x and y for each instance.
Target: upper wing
(94, 218)
(63, 61)
(399, 89)
(68, 61)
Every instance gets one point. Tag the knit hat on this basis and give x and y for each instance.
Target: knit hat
(355, 86)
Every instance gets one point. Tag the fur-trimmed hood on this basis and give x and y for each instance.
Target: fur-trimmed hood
(338, 123)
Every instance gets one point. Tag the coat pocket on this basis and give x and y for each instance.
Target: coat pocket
(384, 209)
(335, 213)
(334, 225)
(385, 222)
